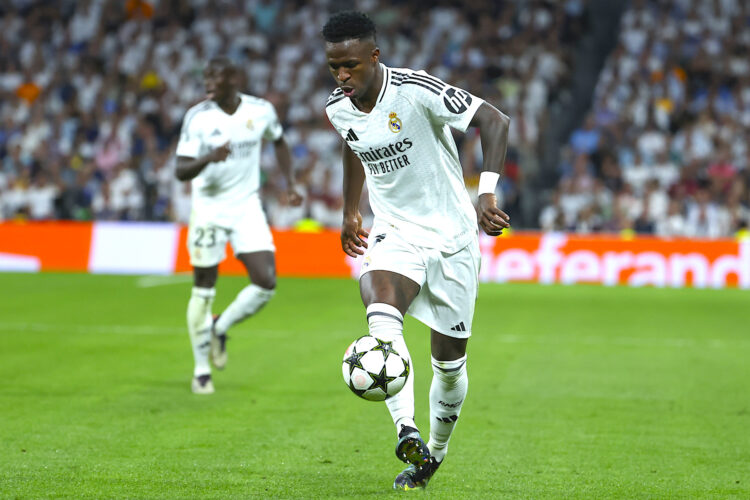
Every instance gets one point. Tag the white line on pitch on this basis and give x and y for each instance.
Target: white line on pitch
(156, 280)
(113, 329)
(116, 329)
(504, 338)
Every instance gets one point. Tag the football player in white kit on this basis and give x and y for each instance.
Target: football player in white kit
(422, 255)
(219, 152)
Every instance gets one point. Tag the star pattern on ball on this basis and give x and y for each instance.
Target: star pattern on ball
(405, 373)
(385, 347)
(354, 361)
(381, 380)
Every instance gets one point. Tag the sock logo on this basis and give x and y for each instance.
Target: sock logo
(459, 327)
(451, 405)
(448, 420)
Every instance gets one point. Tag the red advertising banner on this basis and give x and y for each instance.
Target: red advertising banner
(147, 248)
(611, 260)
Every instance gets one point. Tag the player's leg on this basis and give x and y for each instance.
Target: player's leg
(387, 295)
(253, 245)
(199, 326)
(447, 394)
(206, 245)
(446, 304)
(450, 383)
(261, 269)
(391, 279)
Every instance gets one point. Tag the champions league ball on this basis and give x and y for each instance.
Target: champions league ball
(373, 369)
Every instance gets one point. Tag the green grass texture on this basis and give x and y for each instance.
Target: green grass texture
(574, 392)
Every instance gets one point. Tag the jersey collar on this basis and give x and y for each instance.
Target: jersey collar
(383, 87)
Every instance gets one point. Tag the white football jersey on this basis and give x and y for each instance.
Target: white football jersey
(220, 191)
(411, 162)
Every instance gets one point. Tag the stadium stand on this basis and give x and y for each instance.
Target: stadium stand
(663, 148)
(92, 94)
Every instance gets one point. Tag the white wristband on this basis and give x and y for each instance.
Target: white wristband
(488, 182)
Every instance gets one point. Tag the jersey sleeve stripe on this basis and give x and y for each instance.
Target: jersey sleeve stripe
(430, 78)
(397, 78)
(334, 101)
(412, 82)
(334, 95)
(419, 78)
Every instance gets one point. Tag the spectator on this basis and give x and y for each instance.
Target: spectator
(673, 223)
(586, 139)
(706, 219)
(41, 198)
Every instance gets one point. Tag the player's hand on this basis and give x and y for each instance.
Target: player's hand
(492, 219)
(219, 154)
(293, 197)
(352, 235)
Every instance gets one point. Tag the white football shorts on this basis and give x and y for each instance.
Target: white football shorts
(249, 233)
(448, 282)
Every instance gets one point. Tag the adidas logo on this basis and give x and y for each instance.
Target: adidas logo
(215, 132)
(459, 327)
(351, 136)
(448, 420)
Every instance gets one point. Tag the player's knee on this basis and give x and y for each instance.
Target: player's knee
(267, 281)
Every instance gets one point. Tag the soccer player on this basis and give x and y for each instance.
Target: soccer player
(219, 152)
(423, 252)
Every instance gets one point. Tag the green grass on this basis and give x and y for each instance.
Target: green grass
(575, 392)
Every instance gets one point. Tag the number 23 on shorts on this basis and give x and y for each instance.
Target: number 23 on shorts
(205, 237)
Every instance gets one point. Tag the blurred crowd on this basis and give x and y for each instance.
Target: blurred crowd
(93, 92)
(664, 149)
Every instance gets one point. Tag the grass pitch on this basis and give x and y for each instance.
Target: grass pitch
(574, 392)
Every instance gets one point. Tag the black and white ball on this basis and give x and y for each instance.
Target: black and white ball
(373, 368)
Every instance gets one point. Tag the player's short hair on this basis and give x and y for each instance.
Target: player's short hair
(348, 25)
(223, 62)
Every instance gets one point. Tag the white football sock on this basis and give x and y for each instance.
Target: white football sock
(199, 327)
(248, 302)
(387, 323)
(447, 393)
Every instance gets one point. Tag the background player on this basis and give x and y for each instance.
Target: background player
(424, 256)
(219, 151)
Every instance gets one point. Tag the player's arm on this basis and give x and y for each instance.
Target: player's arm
(284, 157)
(189, 168)
(351, 227)
(493, 131)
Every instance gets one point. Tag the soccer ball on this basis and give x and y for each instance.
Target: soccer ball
(373, 369)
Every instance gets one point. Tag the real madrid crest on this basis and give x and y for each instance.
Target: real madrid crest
(394, 123)
(250, 124)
